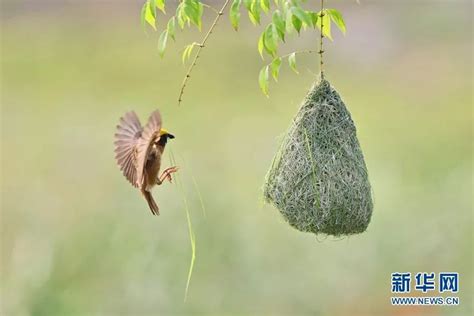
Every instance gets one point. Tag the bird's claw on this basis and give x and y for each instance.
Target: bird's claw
(167, 174)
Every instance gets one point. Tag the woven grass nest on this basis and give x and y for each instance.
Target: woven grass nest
(318, 178)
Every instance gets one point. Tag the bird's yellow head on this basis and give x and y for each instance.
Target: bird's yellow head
(165, 133)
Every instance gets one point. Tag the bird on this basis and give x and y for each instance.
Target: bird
(138, 152)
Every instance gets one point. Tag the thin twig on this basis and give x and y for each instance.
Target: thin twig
(211, 7)
(201, 46)
(321, 50)
(309, 51)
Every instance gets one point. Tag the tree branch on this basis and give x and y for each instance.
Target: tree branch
(201, 46)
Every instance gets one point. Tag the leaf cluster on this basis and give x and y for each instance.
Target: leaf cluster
(287, 17)
(290, 17)
(188, 13)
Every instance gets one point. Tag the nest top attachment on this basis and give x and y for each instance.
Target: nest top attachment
(318, 178)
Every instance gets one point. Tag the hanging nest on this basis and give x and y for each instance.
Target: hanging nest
(318, 178)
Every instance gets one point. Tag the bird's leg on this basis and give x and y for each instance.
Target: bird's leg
(166, 175)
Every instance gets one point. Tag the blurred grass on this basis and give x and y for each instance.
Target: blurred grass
(76, 239)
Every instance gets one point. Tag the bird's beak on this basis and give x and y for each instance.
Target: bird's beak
(165, 132)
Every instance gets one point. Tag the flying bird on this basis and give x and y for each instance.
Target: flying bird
(138, 151)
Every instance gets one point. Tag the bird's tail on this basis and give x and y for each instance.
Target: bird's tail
(151, 202)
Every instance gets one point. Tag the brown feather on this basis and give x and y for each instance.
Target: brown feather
(128, 133)
(150, 135)
(151, 202)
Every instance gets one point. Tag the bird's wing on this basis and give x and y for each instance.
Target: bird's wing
(150, 135)
(128, 133)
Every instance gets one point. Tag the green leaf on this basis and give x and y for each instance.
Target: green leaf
(292, 62)
(279, 23)
(193, 10)
(187, 52)
(180, 15)
(265, 4)
(248, 4)
(288, 16)
(275, 67)
(143, 13)
(149, 17)
(234, 14)
(200, 12)
(160, 4)
(337, 18)
(302, 15)
(171, 27)
(296, 23)
(190, 9)
(314, 18)
(326, 26)
(152, 5)
(261, 44)
(162, 43)
(254, 13)
(270, 40)
(263, 80)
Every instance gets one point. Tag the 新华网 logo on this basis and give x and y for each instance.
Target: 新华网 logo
(402, 283)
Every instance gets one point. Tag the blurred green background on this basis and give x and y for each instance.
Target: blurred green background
(77, 239)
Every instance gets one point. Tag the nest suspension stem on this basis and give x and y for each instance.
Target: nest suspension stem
(321, 50)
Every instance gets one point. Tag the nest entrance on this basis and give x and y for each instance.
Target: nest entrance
(318, 178)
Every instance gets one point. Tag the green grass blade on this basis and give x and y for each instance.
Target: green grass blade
(192, 237)
(201, 201)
